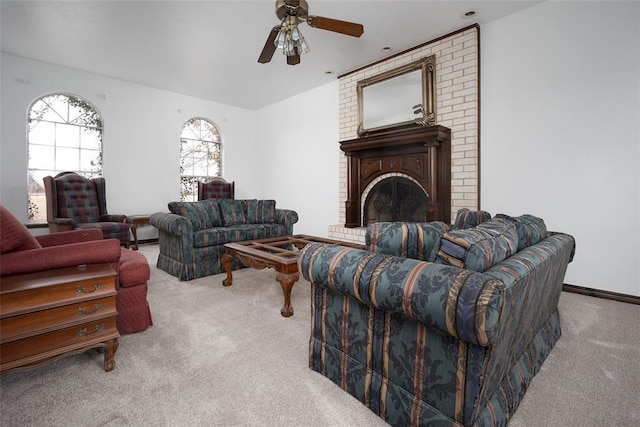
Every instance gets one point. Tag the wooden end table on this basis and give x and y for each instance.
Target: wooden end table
(136, 221)
(279, 253)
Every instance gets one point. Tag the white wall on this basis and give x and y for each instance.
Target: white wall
(141, 137)
(561, 130)
(298, 148)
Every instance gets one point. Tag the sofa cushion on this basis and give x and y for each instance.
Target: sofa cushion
(466, 218)
(236, 233)
(481, 247)
(406, 239)
(196, 212)
(530, 229)
(14, 236)
(260, 211)
(232, 211)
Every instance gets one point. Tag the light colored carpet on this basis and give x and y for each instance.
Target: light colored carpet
(224, 356)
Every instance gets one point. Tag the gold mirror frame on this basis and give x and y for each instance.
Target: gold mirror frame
(428, 118)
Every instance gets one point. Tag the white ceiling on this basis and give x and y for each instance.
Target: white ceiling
(209, 49)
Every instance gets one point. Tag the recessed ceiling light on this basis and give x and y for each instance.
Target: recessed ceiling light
(386, 49)
(329, 72)
(469, 14)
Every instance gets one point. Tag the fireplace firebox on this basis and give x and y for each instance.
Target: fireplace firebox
(418, 160)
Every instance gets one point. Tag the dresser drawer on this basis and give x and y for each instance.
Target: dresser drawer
(51, 344)
(26, 325)
(45, 297)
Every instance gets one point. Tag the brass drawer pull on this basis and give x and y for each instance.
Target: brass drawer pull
(85, 333)
(83, 309)
(82, 290)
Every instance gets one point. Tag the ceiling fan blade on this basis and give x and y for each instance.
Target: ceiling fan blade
(293, 59)
(269, 47)
(335, 25)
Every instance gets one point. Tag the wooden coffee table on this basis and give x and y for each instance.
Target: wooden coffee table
(280, 253)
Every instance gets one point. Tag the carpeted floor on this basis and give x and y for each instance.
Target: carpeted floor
(219, 356)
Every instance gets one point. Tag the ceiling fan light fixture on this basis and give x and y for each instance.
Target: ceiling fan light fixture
(290, 38)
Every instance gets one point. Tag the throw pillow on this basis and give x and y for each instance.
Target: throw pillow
(232, 211)
(14, 236)
(194, 211)
(261, 211)
(212, 208)
(479, 248)
(419, 241)
(467, 219)
(530, 229)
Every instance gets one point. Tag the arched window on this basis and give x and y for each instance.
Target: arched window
(65, 134)
(200, 158)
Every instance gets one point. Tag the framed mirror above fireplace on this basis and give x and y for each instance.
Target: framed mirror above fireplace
(398, 98)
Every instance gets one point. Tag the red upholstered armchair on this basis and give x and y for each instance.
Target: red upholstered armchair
(21, 252)
(74, 201)
(217, 188)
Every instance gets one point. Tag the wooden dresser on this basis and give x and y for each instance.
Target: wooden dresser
(50, 314)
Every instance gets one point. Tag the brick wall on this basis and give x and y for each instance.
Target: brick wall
(457, 84)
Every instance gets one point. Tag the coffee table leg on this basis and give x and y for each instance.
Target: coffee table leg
(226, 263)
(286, 282)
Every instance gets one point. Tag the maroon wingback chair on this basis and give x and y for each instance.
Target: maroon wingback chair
(74, 201)
(21, 252)
(217, 188)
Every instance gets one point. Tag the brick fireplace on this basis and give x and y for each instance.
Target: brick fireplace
(457, 108)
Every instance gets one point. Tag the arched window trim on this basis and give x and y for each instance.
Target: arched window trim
(35, 188)
(189, 182)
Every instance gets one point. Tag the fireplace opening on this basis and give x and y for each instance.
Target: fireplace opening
(395, 199)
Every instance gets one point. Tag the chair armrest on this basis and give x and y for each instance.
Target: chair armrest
(171, 223)
(61, 256)
(113, 218)
(464, 304)
(69, 237)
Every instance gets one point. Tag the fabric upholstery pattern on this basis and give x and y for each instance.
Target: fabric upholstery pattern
(530, 229)
(14, 236)
(429, 344)
(203, 214)
(466, 218)
(260, 211)
(217, 188)
(232, 212)
(480, 247)
(406, 239)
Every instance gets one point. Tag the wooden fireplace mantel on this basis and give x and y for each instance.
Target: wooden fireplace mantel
(421, 152)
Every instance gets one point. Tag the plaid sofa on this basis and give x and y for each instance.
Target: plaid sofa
(438, 326)
(192, 234)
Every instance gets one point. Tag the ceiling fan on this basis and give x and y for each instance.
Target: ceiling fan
(288, 37)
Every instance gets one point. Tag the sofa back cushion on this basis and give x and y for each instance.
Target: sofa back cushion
(232, 211)
(204, 214)
(466, 218)
(406, 239)
(530, 229)
(481, 247)
(260, 211)
(14, 236)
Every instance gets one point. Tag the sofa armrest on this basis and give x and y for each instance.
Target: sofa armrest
(171, 223)
(464, 304)
(69, 237)
(287, 218)
(61, 256)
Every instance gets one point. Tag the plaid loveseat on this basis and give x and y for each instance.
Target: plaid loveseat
(432, 326)
(192, 235)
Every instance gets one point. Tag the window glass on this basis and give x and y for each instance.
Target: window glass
(65, 134)
(200, 156)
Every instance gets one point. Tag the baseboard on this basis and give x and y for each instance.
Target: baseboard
(630, 299)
